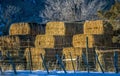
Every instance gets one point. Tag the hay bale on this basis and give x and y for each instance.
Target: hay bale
(13, 52)
(18, 61)
(36, 59)
(106, 58)
(16, 42)
(75, 53)
(93, 40)
(49, 41)
(97, 27)
(64, 28)
(26, 29)
(48, 54)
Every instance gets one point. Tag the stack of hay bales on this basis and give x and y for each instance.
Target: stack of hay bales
(99, 33)
(106, 58)
(16, 45)
(21, 35)
(57, 36)
(60, 38)
(26, 29)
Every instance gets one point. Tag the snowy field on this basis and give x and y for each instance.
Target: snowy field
(57, 73)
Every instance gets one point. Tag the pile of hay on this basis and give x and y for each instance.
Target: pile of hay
(106, 58)
(49, 41)
(37, 63)
(77, 56)
(64, 28)
(93, 40)
(16, 42)
(26, 29)
(15, 45)
(98, 27)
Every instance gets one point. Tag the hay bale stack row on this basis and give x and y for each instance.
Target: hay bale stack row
(77, 56)
(16, 41)
(93, 40)
(99, 34)
(49, 41)
(106, 58)
(64, 28)
(26, 29)
(37, 62)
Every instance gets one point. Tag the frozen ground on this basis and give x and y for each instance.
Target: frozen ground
(57, 73)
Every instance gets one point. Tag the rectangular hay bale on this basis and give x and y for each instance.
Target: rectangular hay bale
(98, 27)
(36, 59)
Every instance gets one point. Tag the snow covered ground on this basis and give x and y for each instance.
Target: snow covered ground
(57, 73)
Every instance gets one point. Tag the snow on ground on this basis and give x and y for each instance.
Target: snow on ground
(57, 73)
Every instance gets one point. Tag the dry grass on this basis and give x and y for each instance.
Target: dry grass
(97, 27)
(49, 41)
(64, 28)
(93, 40)
(26, 29)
